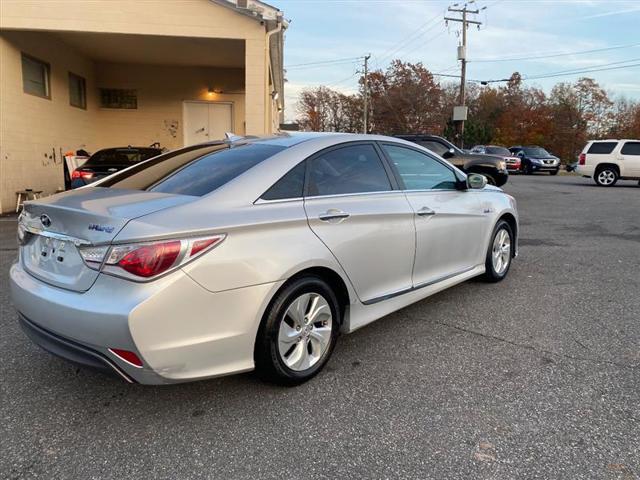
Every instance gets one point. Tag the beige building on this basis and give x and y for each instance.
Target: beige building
(77, 74)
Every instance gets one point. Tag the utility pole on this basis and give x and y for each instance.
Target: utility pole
(462, 56)
(366, 93)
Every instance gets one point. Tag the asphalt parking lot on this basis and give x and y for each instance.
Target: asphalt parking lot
(535, 377)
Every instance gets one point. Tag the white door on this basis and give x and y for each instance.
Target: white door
(206, 121)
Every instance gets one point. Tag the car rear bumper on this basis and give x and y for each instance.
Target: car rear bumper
(584, 170)
(70, 350)
(178, 329)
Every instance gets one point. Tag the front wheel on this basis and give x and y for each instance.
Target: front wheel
(499, 253)
(554, 172)
(298, 333)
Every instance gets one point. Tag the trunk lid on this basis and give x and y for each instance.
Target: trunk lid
(60, 224)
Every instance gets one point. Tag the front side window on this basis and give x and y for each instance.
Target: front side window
(631, 148)
(35, 77)
(193, 171)
(351, 169)
(435, 147)
(77, 91)
(419, 171)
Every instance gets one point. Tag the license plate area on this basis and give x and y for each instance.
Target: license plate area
(56, 261)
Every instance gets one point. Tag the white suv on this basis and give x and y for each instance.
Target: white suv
(609, 160)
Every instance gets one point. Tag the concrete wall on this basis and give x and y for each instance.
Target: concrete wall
(35, 131)
(161, 92)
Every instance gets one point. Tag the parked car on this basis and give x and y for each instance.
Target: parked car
(110, 160)
(607, 161)
(536, 159)
(222, 258)
(513, 162)
(492, 167)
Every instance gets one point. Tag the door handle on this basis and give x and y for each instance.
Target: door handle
(333, 214)
(425, 212)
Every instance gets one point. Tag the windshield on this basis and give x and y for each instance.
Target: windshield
(536, 152)
(498, 151)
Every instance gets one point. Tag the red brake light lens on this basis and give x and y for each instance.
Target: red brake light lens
(81, 174)
(582, 159)
(127, 356)
(151, 260)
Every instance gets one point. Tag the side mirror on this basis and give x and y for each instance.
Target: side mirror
(449, 153)
(475, 181)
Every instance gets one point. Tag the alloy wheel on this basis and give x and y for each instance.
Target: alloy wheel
(501, 251)
(305, 331)
(606, 177)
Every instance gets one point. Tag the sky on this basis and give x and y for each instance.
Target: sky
(341, 32)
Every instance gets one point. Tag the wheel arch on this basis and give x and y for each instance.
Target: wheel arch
(513, 224)
(602, 165)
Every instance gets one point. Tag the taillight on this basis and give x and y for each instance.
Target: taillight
(145, 261)
(85, 175)
(151, 260)
(582, 159)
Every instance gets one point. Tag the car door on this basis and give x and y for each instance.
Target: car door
(630, 156)
(451, 225)
(353, 206)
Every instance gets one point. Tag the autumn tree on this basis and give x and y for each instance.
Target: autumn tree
(322, 109)
(405, 99)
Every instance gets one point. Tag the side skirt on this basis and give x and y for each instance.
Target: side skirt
(362, 314)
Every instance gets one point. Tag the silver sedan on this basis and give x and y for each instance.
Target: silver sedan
(253, 254)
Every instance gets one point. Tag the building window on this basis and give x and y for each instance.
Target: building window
(35, 77)
(118, 98)
(77, 91)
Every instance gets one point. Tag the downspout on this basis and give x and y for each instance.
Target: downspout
(267, 63)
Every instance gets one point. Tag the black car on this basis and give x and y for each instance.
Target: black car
(492, 167)
(536, 159)
(108, 161)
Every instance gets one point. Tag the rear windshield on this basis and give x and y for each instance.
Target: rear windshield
(497, 151)
(536, 152)
(121, 156)
(193, 171)
(602, 147)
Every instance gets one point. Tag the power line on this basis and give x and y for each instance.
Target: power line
(553, 55)
(325, 62)
(415, 35)
(579, 71)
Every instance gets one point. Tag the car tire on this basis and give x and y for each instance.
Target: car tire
(554, 172)
(499, 252)
(291, 347)
(527, 170)
(606, 176)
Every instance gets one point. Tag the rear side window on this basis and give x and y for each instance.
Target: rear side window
(194, 172)
(602, 148)
(631, 148)
(289, 186)
(351, 169)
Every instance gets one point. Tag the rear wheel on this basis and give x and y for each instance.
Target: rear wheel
(499, 253)
(606, 177)
(298, 333)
